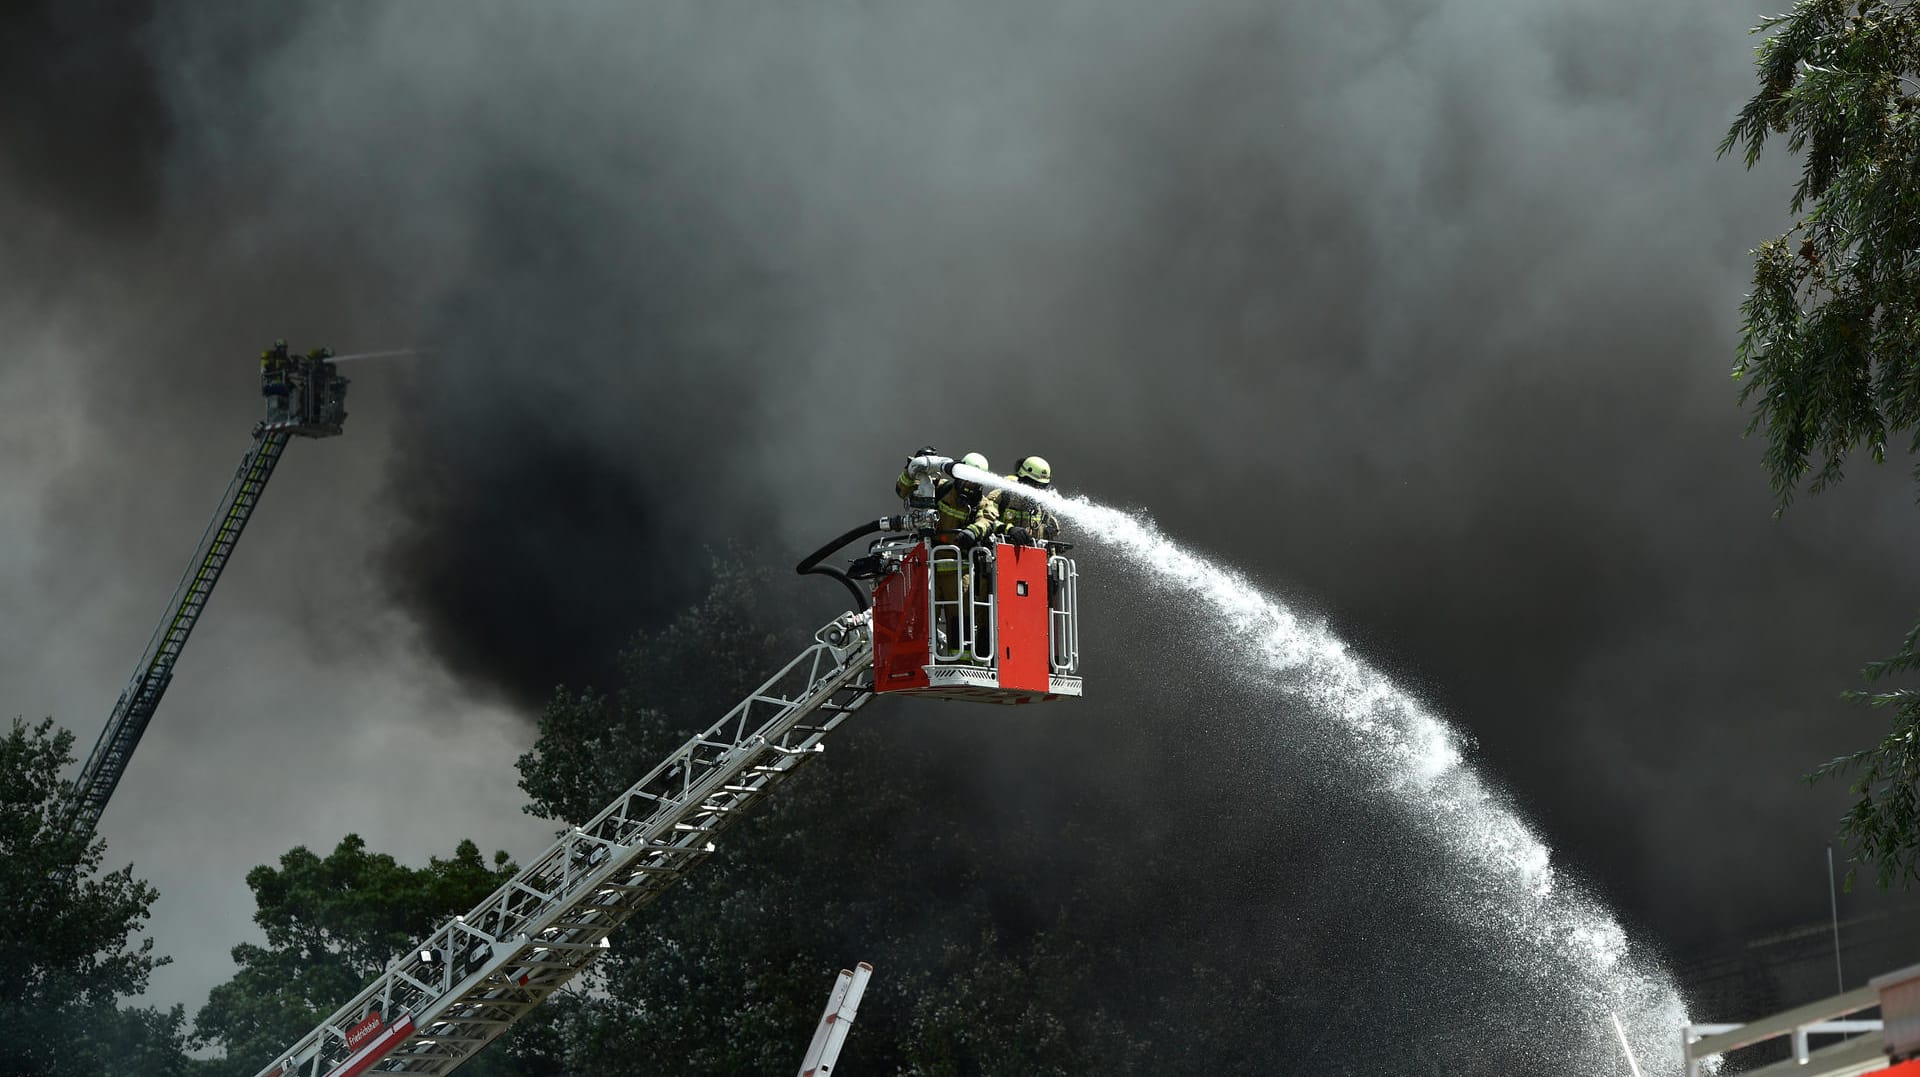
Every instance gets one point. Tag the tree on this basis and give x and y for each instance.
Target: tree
(1829, 352)
(331, 925)
(67, 939)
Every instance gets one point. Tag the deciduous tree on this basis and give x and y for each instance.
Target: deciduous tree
(67, 939)
(332, 923)
(1829, 353)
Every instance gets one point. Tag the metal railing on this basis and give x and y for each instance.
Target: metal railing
(980, 605)
(964, 620)
(1063, 612)
(949, 624)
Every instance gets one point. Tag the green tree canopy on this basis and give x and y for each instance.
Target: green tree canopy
(67, 941)
(332, 923)
(1829, 352)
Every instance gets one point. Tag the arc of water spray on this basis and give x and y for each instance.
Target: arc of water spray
(389, 354)
(1556, 931)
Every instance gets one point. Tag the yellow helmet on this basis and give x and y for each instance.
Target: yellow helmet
(974, 459)
(1035, 471)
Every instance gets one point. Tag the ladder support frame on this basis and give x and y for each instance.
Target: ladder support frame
(477, 974)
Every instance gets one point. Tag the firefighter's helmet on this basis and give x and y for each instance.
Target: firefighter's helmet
(1035, 471)
(974, 459)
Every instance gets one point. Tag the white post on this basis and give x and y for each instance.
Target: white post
(1833, 899)
(836, 1022)
(1632, 1063)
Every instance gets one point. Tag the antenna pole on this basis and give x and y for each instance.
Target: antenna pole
(1833, 897)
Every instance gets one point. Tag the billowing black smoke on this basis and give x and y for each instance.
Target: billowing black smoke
(575, 451)
(85, 128)
(1418, 310)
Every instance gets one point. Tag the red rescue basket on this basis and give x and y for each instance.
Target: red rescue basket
(995, 623)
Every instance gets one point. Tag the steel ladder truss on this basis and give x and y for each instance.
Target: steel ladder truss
(108, 760)
(479, 973)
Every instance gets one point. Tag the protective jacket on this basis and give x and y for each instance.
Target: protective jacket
(273, 370)
(1008, 509)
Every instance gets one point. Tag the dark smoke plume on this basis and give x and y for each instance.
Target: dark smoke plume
(1419, 310)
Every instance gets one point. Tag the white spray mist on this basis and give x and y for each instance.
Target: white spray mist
(1550, 931)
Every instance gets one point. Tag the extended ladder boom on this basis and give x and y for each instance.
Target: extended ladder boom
(479, 973)
(304, 396)
(108, 760)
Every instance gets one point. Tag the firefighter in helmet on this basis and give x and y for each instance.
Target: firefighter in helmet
(273, 367)
(957, 506)
(956, 503)
(274, 385)
(1022, 519)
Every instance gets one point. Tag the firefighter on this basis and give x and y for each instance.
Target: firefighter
(273, 381)
(957, 505)
(273, 365)
(1022, 519)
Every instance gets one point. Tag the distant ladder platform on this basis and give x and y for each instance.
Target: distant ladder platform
(305, 396)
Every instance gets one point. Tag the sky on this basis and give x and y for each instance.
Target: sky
(1419, 312)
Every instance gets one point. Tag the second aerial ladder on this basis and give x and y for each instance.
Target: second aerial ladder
(305, 397)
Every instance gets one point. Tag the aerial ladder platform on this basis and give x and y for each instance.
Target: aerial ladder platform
(438, 1004)
(305, 397)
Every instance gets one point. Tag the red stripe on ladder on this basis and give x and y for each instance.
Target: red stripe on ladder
(362, 1060)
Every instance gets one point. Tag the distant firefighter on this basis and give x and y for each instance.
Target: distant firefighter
(273, 369)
